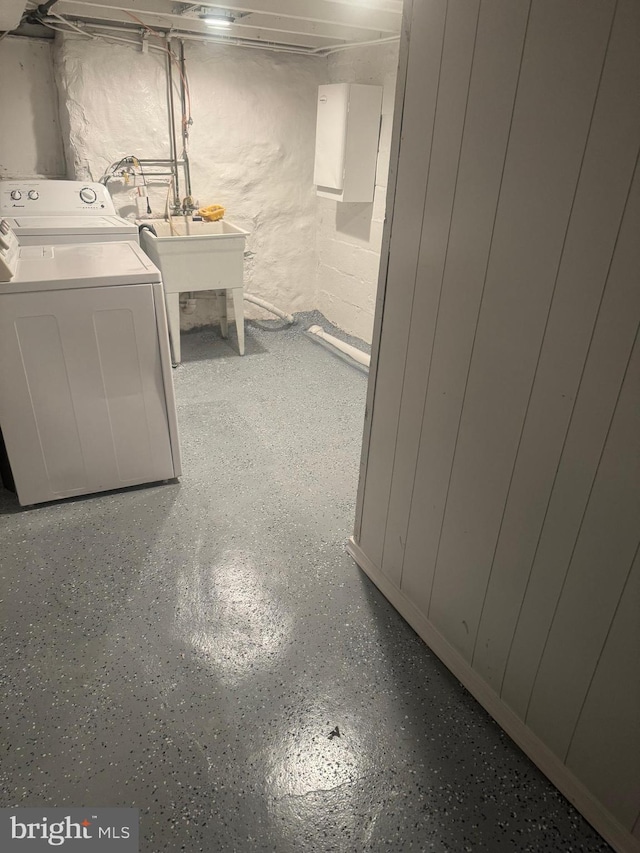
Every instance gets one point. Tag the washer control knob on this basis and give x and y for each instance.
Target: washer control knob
(34, 194)
(16, 195)
(88, 195)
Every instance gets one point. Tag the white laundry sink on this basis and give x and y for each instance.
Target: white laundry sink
(185, 226)
(197, 256)
(200, 256)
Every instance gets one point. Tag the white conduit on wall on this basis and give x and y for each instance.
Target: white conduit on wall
(327, 50)
(353, 352)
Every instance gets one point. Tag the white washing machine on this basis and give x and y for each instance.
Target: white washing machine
(50, 211)
(86, 393)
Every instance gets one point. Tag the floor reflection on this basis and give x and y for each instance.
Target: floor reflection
(227, 614)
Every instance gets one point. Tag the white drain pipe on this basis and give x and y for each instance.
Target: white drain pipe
(354, 353)
(288, 318)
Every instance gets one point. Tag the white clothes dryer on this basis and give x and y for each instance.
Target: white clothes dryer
(86, 392)
(52, 212)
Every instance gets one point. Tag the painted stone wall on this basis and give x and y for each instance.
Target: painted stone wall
(30, 139)
(251, 145)
(251, 149)
(349, 235)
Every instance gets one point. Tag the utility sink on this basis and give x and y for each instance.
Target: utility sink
(198, 256)
(186, 227)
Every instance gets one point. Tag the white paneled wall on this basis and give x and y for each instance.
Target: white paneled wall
(30, 139)
(499, 499)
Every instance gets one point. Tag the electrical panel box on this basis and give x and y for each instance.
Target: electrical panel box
(347, 131)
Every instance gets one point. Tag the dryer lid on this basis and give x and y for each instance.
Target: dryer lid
(41, 226)
(74, 265)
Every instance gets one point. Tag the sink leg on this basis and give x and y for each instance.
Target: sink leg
(221, 299)
(238, 311)
(173, 317)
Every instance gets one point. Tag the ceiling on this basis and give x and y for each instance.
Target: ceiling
(10, 14)
(301, 26)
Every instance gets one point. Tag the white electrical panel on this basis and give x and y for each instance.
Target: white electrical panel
(347, 131)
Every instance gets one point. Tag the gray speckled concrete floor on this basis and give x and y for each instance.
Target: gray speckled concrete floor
(187, 649)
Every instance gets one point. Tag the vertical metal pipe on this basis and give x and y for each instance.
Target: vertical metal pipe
(185, 129)
(173, 142)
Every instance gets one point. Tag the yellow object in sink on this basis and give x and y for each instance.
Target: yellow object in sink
(211, 213)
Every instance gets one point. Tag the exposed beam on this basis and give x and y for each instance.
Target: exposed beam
(314, 11)
(377, 5)
(88, 13)
(10, 14)
(320, 11)
(161, 14)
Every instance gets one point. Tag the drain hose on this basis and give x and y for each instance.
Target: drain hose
(288, 318)
(353, 352)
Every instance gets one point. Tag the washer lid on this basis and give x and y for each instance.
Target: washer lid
(74, 265)
(41, 226)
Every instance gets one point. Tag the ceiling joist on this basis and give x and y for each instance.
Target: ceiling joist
(359, 13)
(83, 14)
(160, 14)
(307, 26)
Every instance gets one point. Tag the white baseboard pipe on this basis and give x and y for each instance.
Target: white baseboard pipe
(353, 352)
(288, 318)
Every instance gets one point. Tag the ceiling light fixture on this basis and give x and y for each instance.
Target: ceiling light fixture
(217, 19)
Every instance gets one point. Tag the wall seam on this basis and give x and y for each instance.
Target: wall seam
(569, 425)
(442, 278)
(383, 272)
(577, 538)
(597, 663)
(475, 332)
(544, 332)
(415, 279)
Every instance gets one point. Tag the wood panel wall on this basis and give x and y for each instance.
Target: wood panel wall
(499, 500)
